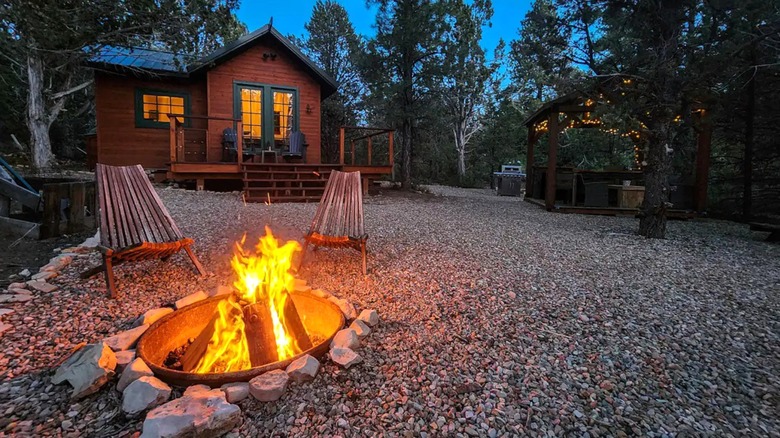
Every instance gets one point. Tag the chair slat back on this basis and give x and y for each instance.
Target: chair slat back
(131, 212)
(340, 213)
(297, 139)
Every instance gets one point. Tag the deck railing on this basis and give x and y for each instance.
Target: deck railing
(367, 148)
(193, 138)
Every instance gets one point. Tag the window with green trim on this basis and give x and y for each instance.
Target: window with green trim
(152, 107)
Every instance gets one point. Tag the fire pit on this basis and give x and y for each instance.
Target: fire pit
(263, 325)
(321, 318)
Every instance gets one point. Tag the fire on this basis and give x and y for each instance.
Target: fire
(262, 277)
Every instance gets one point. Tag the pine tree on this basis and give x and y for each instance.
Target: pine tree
(332, 43)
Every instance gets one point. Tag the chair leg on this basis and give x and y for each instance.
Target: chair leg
(195, 260)
(363, 251)
(110, 282)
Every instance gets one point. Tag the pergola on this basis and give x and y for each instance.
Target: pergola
(575, 110)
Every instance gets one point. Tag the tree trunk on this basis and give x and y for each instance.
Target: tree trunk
(406, 154)
(38, 119)
(460, 147)
(652, 221)
(747, 161)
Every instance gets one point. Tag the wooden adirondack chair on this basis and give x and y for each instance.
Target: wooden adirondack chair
(338, 222)
(297, 147)
(134, 223)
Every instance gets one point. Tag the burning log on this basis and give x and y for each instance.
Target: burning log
(198, 347)
(294, 327)
(260, 333)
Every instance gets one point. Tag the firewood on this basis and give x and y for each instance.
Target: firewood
(196, 350)
(293, 325)
(259, 329)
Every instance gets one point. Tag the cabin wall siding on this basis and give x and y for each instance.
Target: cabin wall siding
(284, 71)
(120, 143)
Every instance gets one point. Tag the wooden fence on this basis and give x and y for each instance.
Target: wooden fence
(68, 208)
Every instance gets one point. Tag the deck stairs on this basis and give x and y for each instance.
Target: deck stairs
(279, 182)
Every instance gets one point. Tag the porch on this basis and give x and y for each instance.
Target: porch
(202, 148)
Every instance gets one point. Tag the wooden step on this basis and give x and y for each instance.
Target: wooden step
(275, 199)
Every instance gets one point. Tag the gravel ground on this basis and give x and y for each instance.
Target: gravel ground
(498, 319)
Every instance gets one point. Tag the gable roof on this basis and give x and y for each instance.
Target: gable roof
(168, 63)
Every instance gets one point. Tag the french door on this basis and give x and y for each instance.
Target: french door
(269, 115)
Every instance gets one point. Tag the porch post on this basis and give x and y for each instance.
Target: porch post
(172, 140)
(369, 151)
(529, 163)
(552, 157)
(341, 145)
(390, 136)
(239, 142)
(704, 143)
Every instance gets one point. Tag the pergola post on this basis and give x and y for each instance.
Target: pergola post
(529, 163)
(703, 148)
(552, 157)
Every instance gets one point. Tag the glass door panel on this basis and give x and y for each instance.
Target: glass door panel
(252, 118)
(283, 118)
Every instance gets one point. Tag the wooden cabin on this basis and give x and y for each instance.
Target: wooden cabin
(235, 114)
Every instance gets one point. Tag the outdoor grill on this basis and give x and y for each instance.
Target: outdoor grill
(510, 181)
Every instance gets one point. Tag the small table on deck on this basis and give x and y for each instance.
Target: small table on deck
(628, 196)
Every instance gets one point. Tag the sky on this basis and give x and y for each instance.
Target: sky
(290, 16)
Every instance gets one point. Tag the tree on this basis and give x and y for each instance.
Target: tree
(403, 65)
(541, 56)
(465, 74)
(48, 41)
(331, 41)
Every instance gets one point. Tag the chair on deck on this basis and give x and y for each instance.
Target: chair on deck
(229, 145)
(338, 222)
(297, 147)
(134, 223)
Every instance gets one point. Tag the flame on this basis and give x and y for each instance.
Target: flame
(261, 277)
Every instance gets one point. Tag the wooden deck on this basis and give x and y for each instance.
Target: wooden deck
(608, 211)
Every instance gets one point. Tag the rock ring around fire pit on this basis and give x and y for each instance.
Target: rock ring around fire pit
(321, 318)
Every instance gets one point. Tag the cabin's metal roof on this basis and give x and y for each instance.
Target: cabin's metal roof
(142, 59)
(162, 62)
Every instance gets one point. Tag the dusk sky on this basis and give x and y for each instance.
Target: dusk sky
(290, 16)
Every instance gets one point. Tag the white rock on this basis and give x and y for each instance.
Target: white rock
(321, 293)
(345, 338)
(92, 242)
(15, 298)
(21, 285)
(123, 359)
(25, 273)
(269, 386)
(303, 369)
(150, 316)
(6, 311)
(44, 275)
(512, 295)
(199, 412)
(87, 369)
(301, 286)
(235, 392)
(191, 299)
(125, 340)
(143, 394)
(345, 357)
(57, 263)
(361, 328)
(221, 290)
(5, 327)
(346, 307)
(133, 372)
(369, 316)
(42, 286)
